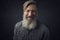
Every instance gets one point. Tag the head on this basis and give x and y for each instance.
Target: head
(30, 12)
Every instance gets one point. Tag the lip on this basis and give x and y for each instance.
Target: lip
(29, 18)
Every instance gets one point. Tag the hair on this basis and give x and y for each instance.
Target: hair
(27, 3)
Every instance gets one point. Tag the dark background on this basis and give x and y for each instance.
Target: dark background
(11, 13)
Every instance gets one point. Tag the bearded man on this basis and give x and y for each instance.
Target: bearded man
(30, 28)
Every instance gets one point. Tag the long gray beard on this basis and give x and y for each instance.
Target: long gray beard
(28, 25)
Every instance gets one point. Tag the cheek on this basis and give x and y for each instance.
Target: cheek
(25, 13)
(34, 14)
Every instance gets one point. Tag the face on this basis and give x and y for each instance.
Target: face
(30, 12)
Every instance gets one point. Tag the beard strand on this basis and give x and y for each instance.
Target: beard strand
(28, 25)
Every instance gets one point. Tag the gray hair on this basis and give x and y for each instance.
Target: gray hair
(27, 3)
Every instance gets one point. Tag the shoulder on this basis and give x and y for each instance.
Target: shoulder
(18, 24)
(44, 30)
(44, 27)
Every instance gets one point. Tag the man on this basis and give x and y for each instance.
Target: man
(30, 28)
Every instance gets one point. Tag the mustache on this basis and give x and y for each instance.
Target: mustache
(30, 16)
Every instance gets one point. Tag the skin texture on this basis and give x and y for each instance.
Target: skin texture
(30, 12)
(29, 17)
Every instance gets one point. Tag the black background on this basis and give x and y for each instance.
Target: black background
(11, 13)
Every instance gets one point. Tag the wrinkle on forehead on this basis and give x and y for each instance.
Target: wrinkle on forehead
(31, 7)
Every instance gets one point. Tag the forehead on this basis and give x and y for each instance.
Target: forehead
(31, 7)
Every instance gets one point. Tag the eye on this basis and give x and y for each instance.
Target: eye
(34, 12)
(27, 10)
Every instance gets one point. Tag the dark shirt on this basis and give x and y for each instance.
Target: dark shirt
(40, 32)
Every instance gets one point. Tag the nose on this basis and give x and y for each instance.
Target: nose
(30, 13)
